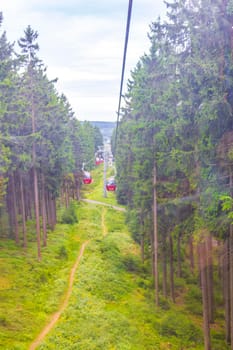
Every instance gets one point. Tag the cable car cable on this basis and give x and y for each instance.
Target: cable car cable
(123, 67)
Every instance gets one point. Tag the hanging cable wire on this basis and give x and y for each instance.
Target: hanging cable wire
(123, 66)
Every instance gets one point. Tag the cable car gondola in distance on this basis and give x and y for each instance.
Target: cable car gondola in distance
(99, 157)
(87, 179)
(111, 185)
(98, 161)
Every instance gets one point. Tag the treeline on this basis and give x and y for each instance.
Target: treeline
(175, 156)
(42, 144)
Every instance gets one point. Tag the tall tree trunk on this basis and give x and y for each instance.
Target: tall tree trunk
(15, 216)
(204, 289)
(142, 247)
(191, 254)
(10, 209)
(164, 265)
(155, 238)
(226, 289)
(23, 215)
(142, 242)
(231, 264)
(35, 184)
(52, 210)
(231, 282)
(179, 270)
(43, 209)
(67, 199)
(209, 270)
(37, 212)
(172, 288)
(77, 186)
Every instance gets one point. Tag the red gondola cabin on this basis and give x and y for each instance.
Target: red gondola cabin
(111, 185)
(98, 161)
(87, 178)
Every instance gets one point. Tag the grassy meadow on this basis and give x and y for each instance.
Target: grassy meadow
(111, 306)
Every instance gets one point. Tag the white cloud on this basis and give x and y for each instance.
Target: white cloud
(83, 45)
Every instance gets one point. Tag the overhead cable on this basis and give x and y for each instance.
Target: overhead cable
(123, 65)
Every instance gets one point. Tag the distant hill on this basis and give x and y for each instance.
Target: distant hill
(106, 129)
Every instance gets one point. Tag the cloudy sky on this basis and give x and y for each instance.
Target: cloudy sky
(81, 43)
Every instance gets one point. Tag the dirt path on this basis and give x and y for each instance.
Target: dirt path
(102, 203)
(57, 314)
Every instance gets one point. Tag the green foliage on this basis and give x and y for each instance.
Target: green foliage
(69, 215)
(164, 303)
(36, 289)
(193, 300)
(132, 263)
(62, 253)
(181, 327)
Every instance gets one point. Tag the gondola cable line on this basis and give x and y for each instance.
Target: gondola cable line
(123, 68)
(111, 184)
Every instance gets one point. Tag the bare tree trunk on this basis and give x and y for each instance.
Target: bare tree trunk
(179, 270)
(43, 209)
(37, 212)
(15, 216)
(155, 238)
(142, 247)
(9, 209)
(231, 264)
(209, 270)
(67, 199)
(231, 282)
(164, 264)
(191, 254)
(226, 289)
(204, 289)
(142, 243)
(152, 252)
(172, 289)
(77, 186)
(35, 176)
(23, 211)
(53, 218)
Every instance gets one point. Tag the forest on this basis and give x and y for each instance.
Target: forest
(174, 157)
(173, 151)
(43, 145)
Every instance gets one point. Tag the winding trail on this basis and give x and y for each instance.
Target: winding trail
(105, 204)
(56, 315)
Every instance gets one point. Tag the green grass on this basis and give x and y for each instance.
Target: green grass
(109, 308)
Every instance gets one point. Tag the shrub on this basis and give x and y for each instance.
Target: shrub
(164, 303)
(69, 216)
(3, 320)
(179, 326)
(193, 300)
(62, 253)
(132, 263)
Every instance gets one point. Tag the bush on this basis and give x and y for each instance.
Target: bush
(62, 253)
(3, 321)
(164, 303)
(69, 215)
(193, 300)
(179, 326)
(132, 263)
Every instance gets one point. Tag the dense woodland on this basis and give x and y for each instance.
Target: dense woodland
(42, 144)
(174, 157)
(173, 150)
